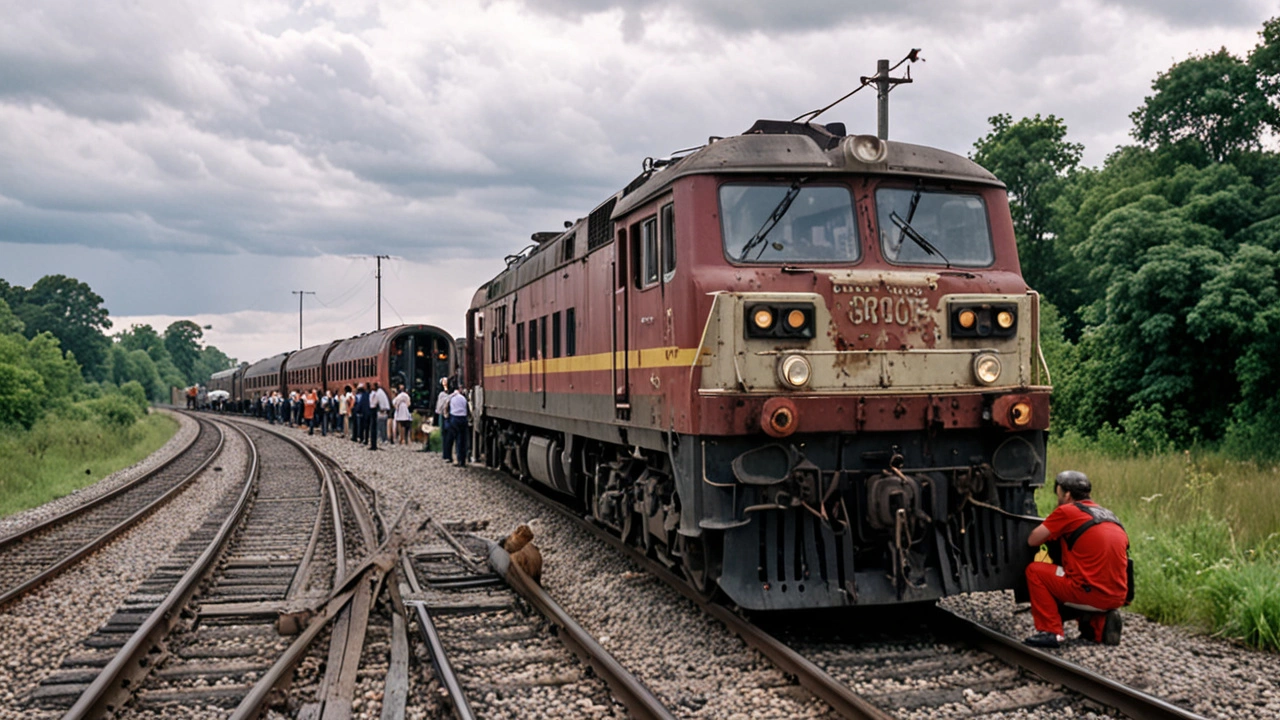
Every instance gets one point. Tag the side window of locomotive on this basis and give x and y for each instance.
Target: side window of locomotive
(570, 333)
(533, 339)
(649, 232)
(922, 227)
(780, 223)
(519, 342)
(555, 334)
(668, 242)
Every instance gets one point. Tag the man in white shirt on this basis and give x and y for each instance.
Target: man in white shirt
(379, 407)
(458, 434)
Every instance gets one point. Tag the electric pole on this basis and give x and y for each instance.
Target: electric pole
(300, 293)
(884, 84)
(380, 258)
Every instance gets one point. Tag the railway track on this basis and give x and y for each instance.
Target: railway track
(31, 557)
(985, 673)
(501, 645)
(272, 560)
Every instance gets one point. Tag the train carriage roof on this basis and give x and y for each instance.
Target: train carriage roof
(773, 146)
(371, 344)
(310, 357)
(266, 366)
(228, 373)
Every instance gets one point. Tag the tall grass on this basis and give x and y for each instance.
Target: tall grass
(57, 457)
(1203, 532)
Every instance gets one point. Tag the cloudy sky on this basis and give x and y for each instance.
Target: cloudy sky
(206, 159)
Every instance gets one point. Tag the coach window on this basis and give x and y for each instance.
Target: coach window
(519, 342)
(555, 334)
(668, 242)
(570, 334)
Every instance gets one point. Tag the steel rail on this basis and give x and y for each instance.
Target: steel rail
(67, 560)
(114, 685)
(635, 695)
(444, 670)
(813, 678)
(1131, 702)
(22, 534)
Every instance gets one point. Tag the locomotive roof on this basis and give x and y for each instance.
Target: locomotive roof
(773, 146)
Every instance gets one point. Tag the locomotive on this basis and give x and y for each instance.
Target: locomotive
(802, 366)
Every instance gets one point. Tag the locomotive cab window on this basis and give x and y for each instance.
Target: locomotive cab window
(644, 252)
(668, 242)
(925, 227)
(788, 222)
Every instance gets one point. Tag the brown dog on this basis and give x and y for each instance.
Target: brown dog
(526, 556)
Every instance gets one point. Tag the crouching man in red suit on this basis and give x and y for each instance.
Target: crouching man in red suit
(1092, 580)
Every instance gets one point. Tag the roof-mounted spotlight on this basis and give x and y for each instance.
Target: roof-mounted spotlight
(867, 149)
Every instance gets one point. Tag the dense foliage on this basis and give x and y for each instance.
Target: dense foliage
(1162, 267)
(56, 361)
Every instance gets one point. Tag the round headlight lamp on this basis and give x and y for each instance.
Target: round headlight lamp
(967, 319)
(986, 368)
(795, 319)
(865, 149)
(1004, 319)
(794, 371)
(763, 318)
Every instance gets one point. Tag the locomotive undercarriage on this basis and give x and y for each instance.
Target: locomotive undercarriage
(805, 522)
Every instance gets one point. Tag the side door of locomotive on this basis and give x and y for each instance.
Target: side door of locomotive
(620, 362)
(648, 321)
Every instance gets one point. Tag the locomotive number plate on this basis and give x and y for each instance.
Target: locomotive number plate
(888, 310)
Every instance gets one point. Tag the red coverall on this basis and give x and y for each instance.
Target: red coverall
(1093, 572)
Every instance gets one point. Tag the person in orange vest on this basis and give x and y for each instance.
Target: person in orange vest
(191, 397)
(1093, 579)
(309, 411)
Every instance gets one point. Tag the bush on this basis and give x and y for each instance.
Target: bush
(134, 391)
(115, 410)
(22, 398)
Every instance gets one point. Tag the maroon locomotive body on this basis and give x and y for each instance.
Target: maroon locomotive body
(804, 366)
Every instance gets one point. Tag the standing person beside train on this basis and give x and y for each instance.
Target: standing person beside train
(458, 432)
(1093, 577)
(345, 403)
(309, 401)
(442, 416)
(403, 419)
(379, 407)
(324, 410)
(359, 408)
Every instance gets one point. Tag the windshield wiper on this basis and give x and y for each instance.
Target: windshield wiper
(911, 232)
(772, 221)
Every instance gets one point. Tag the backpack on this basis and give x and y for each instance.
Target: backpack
(1097, 516)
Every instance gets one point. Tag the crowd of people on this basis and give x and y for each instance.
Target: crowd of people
(368, 415)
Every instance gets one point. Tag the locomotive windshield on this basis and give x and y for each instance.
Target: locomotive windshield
(919, 227)
(788, 223)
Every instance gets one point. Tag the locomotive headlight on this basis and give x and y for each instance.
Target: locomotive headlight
(763, 318)
(796, 319)
(794, 371)
(1004, 319)
(986, 368)
(967, 318)
(865, 149)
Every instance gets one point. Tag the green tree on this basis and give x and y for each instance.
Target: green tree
(9, 322)
(1033, 159)
(1215, 101)
(182, 340)
(73, 313)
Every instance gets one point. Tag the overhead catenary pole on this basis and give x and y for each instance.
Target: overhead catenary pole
(884, 84)
(300, 293)
(380, 258)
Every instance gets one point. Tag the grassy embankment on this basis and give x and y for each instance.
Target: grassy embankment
(51, 459)
(1204, 534)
